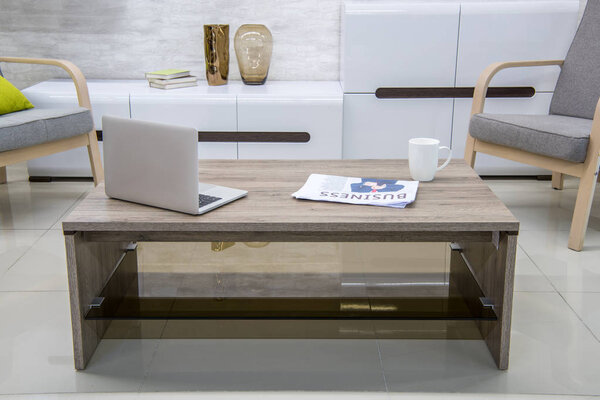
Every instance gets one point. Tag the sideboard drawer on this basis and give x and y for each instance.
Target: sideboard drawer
(321, 119)
(381, 128)
(194, 108)
(306, 116)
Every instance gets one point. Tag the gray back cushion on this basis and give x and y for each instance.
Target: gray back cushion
(578, 87)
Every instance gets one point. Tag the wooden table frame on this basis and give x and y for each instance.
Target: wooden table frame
(457, 207)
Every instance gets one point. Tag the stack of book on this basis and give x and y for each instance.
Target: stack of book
(171, 79)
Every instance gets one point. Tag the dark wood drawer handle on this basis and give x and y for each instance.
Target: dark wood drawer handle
(451, 92)
(255, 137)
(252, 137)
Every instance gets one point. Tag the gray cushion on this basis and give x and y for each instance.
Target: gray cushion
(578, 87)
(550, 135)
(40, 125)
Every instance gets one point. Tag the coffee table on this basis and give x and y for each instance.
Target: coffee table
(457, 207)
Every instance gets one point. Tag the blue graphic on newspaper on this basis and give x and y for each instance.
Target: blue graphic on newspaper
(365, 191)
(369, 185)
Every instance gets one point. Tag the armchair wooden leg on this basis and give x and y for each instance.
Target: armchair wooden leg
(95, 159)
(583, 206)
(3, 175)
(558, 181)
(470, 151)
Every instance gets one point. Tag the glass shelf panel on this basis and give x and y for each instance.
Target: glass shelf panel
(293, 281)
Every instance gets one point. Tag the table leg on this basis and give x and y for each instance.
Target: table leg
(493, 265)
(89, 266)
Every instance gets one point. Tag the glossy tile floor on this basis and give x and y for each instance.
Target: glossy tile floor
(555, 345)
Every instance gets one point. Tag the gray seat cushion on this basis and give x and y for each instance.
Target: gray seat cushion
(578, 87)
(556, 136)
(40, 125)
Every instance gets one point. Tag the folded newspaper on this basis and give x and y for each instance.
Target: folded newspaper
(366, 191)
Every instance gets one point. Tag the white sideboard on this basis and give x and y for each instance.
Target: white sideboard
(313, 108)
(417, 46)
(443, 45)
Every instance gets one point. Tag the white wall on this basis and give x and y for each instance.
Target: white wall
(125, 38)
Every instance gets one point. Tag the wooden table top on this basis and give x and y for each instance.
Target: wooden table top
(456, 201)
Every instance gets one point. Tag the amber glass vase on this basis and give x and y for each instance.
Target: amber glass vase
(216, 53)
(253, 47)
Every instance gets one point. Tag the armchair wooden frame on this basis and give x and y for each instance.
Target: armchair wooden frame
(87, 139)
(586, 171)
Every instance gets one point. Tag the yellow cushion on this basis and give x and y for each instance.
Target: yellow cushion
(11, 99)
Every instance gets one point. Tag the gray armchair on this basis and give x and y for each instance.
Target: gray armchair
(39, 132)
(567, 141)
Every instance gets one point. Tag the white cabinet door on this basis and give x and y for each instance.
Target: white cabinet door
(381, 128)
(202, 107)
(397, 44)
(512, 31)
(312, 107)
(489, 165)
(106, 98)
(322, 120)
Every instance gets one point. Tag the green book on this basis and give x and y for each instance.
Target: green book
(167, 73)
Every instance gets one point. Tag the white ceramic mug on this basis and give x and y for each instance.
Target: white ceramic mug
(423, 158)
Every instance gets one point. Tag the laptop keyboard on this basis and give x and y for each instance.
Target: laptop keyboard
(204, 200)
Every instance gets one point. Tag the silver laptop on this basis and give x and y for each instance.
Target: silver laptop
(157, 165)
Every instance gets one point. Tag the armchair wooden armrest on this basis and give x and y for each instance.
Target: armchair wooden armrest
(83, 95)
(486, 76)
(480, 93)
(86, 139)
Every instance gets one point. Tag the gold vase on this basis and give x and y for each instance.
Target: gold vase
(253, 47)
(216, 54)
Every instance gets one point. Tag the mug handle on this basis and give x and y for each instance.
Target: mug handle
(447, 160)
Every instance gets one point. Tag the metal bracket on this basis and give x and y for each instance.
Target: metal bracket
(455, 246)
(131, 246)
(96, 302)
(486, 302)
(496, 239)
